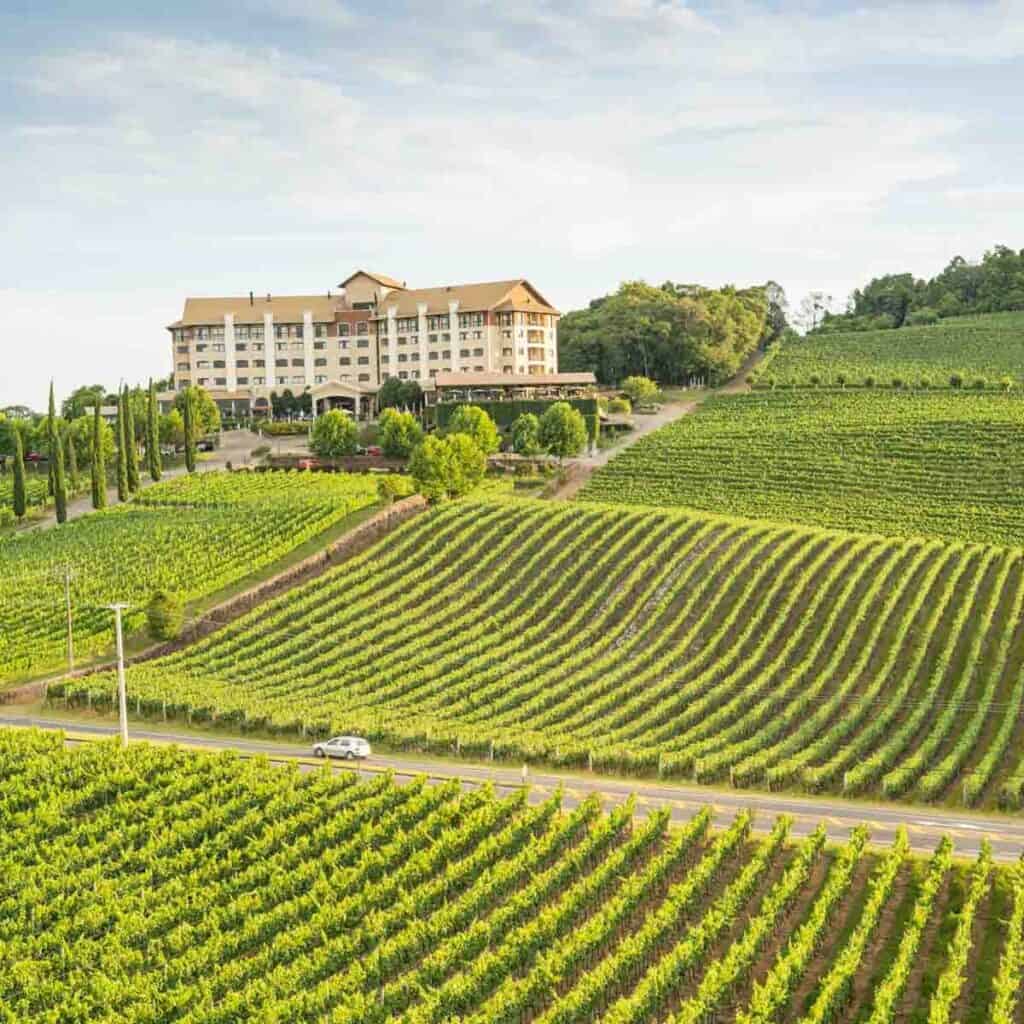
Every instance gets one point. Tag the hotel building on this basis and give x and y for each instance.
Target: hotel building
(342, 345)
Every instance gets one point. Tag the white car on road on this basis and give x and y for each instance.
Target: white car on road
(347, 747)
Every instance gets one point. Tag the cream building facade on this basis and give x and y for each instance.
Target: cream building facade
(344, 344)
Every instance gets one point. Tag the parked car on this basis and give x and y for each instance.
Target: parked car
(347, 747)
(310, 464)
(374, 449)
(35, 457)
(168, 451)
(205, 445)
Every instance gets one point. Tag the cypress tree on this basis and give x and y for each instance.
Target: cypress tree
(60, 484)
(132, 448)
(51, 430)
(190, 440)
(122, 455)
(153, 435)
(20, 502)
(99, 467)
(72, 460)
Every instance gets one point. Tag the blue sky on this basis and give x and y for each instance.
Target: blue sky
(157, 150)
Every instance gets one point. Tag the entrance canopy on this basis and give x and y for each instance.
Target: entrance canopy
(338, 394)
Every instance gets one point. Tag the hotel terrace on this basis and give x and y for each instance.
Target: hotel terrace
(342, 345)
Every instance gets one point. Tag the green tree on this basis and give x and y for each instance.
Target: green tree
(205, 414)
(71, 457)
(60, 485)
(98, 462)
(20, 497)
(334, 435)
(475, 423)
(526, 434)
(447, 467)
(399, 394)
(122, 450)
(400, 432)
(165, 616)
(50, 445)
(641, 390)
(392, 486)
(188, 417)
(81, 400)
(131, 445)
(153, 435)
(172, 428)
(563, 431)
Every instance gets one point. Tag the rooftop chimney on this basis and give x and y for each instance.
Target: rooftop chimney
(268, 296)
(251, 299)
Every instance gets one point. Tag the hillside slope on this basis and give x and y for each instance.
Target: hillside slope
(639, 641)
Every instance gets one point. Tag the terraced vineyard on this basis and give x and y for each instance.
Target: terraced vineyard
(989, 347)
(639, 641)
(157, 884)
(939, 465)
(189, 535)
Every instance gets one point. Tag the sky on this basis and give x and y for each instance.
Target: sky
(153, 151)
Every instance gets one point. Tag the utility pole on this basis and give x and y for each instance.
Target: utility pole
(122, 692)
(67, 603)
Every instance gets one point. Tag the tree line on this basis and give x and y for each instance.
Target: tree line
(995, 284)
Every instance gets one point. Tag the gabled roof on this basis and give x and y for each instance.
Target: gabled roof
(383, 279)
(285, 309)
(517, 294)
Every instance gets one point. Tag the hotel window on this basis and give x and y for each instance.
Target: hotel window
(414, 357)
(183, 350)
(463, 353)
(280, 346)
(280, 362)
(259, 380)
(414, 374)
(403, 375)
(401, 341)
(478, 352)
(477, 335)
(446, 337)
(243, 364)
(217, 332)
(463, 335)
(202, 333)
(320, 330)
(438, 323)
(432, 356)
(298, 380)
(433, 337)
(219, 364)
(433, 373)
(345, 361)
(364, 376)
(446, 354)
(364, 360)
(241, 331)
(297, 346)
(201, 348)
(203, 380)
(242, 381)
(203, 364)
(343, 343)
(183, 367)
(385, 358)
(320, 379)
(506, 369)
(319, 362)
(478, 369)
(259, 362)
(241, 347)
(361, 327)
(506, 334)
(342, 330)
(258, 347)
(363, 343)
(402, 357)
(218, 346)
(298, 362)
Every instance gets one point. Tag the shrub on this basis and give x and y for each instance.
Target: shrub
(841, 380)
(815, 380)
(898, 382)
(1006, 383)
(924, 383)
(392, 487)
(922, 317)
(869, 381)
(563, 431)
(400, 432)
(770, 381)
(620, 405)
(640, 390)
(472, 421)
(447, 467)
(165, 616)
(526, 434)
(979, 383)
(956, 380)
(334, 435)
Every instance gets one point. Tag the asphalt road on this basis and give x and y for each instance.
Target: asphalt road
(925, 826)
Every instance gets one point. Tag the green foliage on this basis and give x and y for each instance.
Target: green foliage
(190, 536)
(153, 459)
(399, 394)
(334, 435)
(526, 434)
(131, 446)
(930, 462)
(399, 433)
(122, 450)
(98, 459)
(474, 422)
(621, 406)
(20, 500)
(505, 414)
(669, 333)
(60, 486)
(392, 487)
(205, 414)
(447, 467)
(641, 390)
(81, 401)
(949, 351)
(188, 419)
(562, 431)
(165, 616)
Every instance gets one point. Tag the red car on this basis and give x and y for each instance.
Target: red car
(309, 464)
(35, 457)
(374, 449)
